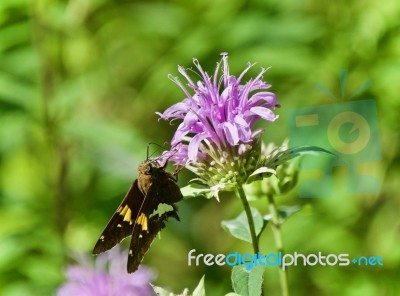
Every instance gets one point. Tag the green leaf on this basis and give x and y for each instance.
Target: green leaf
(284, 213)
(260, 173)
(291, 153)
(195, 190)
(200, 291)
(239, 227)
(247, 283)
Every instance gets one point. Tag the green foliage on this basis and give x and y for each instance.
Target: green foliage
(260, 173)
(239, 227)
(247, 283)
(196, 190)
(284, 213)
(281, 157)
(200, 290)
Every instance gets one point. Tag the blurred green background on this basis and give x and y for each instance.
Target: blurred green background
(81, 80)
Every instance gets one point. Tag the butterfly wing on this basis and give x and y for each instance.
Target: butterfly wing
(142, 239)
(169, 192)
(134, 216)
(122, 222)
(147, 226)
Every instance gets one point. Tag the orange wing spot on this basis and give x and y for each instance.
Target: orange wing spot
(142, 220)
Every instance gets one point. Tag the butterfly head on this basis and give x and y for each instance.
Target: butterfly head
(148, 167)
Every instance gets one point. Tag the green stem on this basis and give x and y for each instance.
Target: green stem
(276, 229)
(247, 209)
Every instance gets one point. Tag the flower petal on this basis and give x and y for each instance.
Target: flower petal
(269, 99)
(194, 144)
(231, 133)
(177, 110)
(244, 129)
(264, 113)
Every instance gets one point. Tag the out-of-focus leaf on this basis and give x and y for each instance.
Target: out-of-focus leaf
(239, 227)
(200, 290)
(291, 153)
(247, 283)
(284, 213)
(260, 173)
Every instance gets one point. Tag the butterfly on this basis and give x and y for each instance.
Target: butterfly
(138, 214)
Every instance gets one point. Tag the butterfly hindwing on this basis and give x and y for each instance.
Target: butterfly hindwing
(141, 241)
(148, 224)
(122, 222)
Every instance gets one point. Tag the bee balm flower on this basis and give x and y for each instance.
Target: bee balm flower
(217, 138)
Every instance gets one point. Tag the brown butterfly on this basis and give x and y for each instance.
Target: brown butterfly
(137, 214)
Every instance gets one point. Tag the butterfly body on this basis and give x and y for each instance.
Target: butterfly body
(137, 214)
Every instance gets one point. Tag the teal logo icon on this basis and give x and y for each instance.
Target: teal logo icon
(347, 128)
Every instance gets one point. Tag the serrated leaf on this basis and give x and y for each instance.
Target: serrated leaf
(247, 283)
(239, 227)
(200, 291)
(195, 190)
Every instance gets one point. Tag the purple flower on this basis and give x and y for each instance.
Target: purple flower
(217, 133)
(106, 277)
(222, 111)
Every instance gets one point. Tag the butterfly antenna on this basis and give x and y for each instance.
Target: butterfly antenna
(148, 149)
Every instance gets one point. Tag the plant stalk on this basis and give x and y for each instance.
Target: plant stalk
(247, 210)
(276, 229)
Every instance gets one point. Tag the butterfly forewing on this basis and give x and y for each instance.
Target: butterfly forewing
(122, 222)
(135, 214)
(169, 191)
